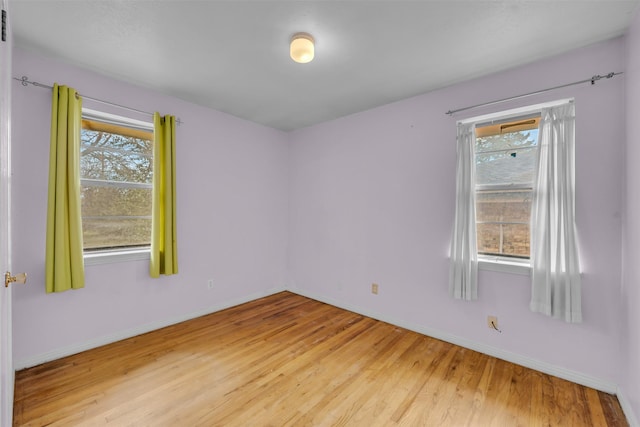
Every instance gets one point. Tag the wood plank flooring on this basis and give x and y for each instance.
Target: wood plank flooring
(286, 360)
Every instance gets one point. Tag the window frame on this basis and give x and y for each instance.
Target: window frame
(497, 263)
(494, 260)
(107, 256)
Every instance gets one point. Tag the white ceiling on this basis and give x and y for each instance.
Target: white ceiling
(233, 55)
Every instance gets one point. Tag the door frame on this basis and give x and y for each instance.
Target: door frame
(7, 372)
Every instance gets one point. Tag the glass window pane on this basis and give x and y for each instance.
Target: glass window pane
(113, 157)
(110, 233)
(116, 217)
(503, 222)
(107, 201)
(515, 240)
(503, 206)
(506, 141)
(131, 144)
(504, 240)
(506, 167)
(508, 158)
(488, 238)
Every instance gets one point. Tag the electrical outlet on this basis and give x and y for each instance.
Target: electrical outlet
(492, 322)
(374, 288)
(210, 284)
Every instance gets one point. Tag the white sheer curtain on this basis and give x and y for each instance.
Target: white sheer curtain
(463, 273)
(555, 289)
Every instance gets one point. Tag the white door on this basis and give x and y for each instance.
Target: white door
(6, 362)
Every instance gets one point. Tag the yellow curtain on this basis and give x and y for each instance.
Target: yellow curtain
(64, 264)
(164, 249)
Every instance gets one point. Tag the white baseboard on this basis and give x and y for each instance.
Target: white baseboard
(627, 408)
(547, 368)
(128, 333)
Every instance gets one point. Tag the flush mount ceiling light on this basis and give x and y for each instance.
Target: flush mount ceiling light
(301, 49)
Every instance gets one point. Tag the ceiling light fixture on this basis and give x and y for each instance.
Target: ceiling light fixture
(302, 48)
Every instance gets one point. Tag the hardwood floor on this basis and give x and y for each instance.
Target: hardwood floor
(287, 360)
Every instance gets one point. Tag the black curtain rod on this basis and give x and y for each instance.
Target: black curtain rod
(592, 80)
(25, 82)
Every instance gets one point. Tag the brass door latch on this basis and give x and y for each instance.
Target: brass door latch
(18, 278)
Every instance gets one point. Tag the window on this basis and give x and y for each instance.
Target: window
(116, 169)
(506, 153)
(515, 205)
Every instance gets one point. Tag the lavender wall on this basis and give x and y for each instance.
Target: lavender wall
(232, 219)
(631, 282)
(372, 200)
(332, 208)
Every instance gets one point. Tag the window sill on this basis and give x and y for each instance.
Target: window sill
(503, 265)
(108, 257)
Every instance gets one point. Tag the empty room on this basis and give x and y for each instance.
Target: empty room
(248, 213)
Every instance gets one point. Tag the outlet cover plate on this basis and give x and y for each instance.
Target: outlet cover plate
(492, 322)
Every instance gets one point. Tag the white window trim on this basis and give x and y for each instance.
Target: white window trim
(112, 256)
(504, 265)
(116, 120)
(109, 256)
(513, 113)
